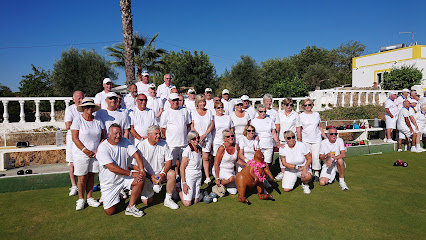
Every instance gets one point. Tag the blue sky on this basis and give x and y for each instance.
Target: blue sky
(224, 30)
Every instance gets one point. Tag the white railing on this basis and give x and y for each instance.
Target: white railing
(36, 100)
(298, 100)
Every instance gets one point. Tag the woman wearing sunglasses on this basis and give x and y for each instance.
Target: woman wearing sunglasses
(190, 170)
(311, 134)
(248, 146)
(289, 120)
(266, 131)
(87, 132)
(224, 162)
(202, 122)
(221, 122)
(240, 119)
(296, 158)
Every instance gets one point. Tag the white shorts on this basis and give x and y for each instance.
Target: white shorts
(216, 147)
(68, 151)
(206, 146)
(176, 154)
(314, 149)
(147, 191)
(404, 133)
(330, 172)
(111, 196)
(268, 153)
(290, 177)
(194, 184)
(390, 122)
(84, 165)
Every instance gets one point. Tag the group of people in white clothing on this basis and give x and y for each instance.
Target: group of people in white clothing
(154, 136)
(407, 114)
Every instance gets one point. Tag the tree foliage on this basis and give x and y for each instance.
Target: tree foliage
(80, 70)
(400, 78)
(190, 69)
(243, 78)
(36, 84)
(5, 91)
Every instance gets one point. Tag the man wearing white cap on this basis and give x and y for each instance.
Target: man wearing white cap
(404, 95)
(112, 115)
(190, 102)
(391, 114)
(163, 90)
(154, 102)
(246, 106)
(130, 98)
(167, 102)
(143, 85)
(140, 119)
(209, 99)
(406, 129)
(175, 122)
(101, 96)
(228, 104)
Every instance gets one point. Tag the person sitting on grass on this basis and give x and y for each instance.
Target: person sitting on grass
(296, 158)
(114, 174)
(333, 152)
(157, 160)
(190, 169)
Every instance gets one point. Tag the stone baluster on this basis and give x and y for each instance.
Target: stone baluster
(343, 99)
(67, 103)
(334, 97)
(37, 113)
(5, 113)
(297, 105)
(253, 103)
(351, 101)
(279, 105)
(374, 97)
(366, 98)
(359, 99)
(52, 111)
(22, 112)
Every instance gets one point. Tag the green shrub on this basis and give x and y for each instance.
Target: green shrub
(349, 113)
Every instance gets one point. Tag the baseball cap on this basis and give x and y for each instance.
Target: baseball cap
(244, 98)
(208, 90)
(173, 96)
(191, 91)
(106, 80)
(225, 91)
(405, 90)
(238, 101)
(152, 86)
(145, 73)
(111, 94)
(392, 93)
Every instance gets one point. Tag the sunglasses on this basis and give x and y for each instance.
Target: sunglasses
(239, 105)
(175, 100)
(307, 105)
(143, 99)
(219, 108)
(229, 136)
(113, 98)
(250, 130)
(180, 100)
(168, 78)
(331, 134)
(262, 111)
(292, 137)
(108, 83)
(208, 92)
(291, 105)
(195, 138)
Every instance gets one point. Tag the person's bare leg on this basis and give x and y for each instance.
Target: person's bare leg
(72, 177)
(341, 168)
(229, 180)
(89, 184)
(136, 193)
(171, 181)
(206, 164)
(81, 184)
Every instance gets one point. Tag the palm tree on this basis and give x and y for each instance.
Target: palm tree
(128, 52)
(145, 55)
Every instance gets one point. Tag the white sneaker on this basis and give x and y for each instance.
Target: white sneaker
(92, 202)
(385, 140)
(134, 211)
(399, 150)
(391, 141)
(415, 150)
(306, 189)
(208, 180)
(73, 191)
(420, 149)
(343, 186)
(170, 204)
(279, 176)
(80, 204)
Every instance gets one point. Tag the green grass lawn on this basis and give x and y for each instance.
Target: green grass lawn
(384, 202)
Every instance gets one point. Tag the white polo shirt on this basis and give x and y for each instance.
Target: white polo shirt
(393, 108)
(403, 113)
(143, 88)
(264, 129)
(175, 122)
(336, 147)
(130, 101)
(154, 156)
(295, 155)
(288, 122)
(109, 117)
(100, 99)
(163, 91)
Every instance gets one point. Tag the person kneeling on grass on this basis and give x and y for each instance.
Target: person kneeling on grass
(157, 160)
(113, 173)
(329, 148)
(296, 158)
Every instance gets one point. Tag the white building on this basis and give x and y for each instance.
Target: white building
(368, 70)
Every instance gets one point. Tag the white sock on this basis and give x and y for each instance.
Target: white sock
(418, 145)
(316, 173)
(168, 196)
(341, 179)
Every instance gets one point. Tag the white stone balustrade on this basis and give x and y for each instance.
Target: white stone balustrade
(36, 100)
